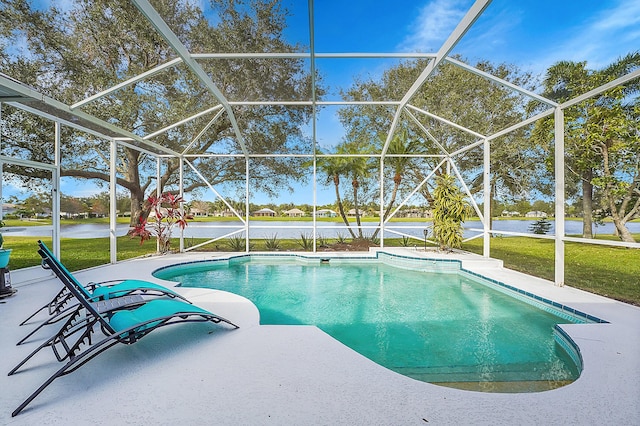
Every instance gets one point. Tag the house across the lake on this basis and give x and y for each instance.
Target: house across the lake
(326, 213)
(294, 213)
(265, 212)
(352, 213)
(536, 213)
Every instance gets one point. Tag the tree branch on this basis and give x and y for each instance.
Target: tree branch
(97, 175)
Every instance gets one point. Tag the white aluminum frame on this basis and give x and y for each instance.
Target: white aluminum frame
(24, 98)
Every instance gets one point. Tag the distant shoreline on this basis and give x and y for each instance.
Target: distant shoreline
(367, 219)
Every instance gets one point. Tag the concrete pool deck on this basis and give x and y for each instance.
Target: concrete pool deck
(286, 375)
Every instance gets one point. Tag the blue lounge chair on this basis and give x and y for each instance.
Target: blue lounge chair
(59, 307)
(74, 341)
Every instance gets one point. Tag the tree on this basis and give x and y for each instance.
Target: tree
(601, 148)
(333, 168)
(471, 101)
(99, 43)
(358, 169)
(99, 208)
(615, 135)
(399, 148)
(72, 206)
(34, 205)
(542, 206)
(540, 226)
(450, 210)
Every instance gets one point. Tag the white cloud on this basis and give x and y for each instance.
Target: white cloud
(626, 15)
(436, 20)
(610, 34)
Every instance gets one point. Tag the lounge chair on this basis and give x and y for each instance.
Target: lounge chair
(58, 308)
(73, 342)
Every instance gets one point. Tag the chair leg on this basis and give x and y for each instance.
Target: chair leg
(34, 314)
(72, 365)
(46, 343)
(68, 329)
(54, 306)
(59, 317)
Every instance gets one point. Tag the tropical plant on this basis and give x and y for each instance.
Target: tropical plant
(358, 169)
(333, 168)
(540, 226)
(399, 159)
(322, 241)
(272, 242)
(166, 213)
(471, 101)
(450, 210)
(305, 241)
(236, 243)
(373, 239)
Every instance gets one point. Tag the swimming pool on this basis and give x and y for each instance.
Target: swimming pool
(448, 327)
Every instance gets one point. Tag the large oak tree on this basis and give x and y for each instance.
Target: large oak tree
(95, 44)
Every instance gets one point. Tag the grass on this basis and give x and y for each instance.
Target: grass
(608, 271)
(76, 253)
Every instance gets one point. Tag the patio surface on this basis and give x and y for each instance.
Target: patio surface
(294, 375)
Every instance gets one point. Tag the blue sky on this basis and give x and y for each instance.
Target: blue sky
(530, 34)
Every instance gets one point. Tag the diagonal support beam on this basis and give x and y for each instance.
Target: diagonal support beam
(467, 21)
(445, 121)
(163, 29)
(501, 82)
(429, 135)
(26, 95)
(202, 132)
(181, 122)
(128, 82)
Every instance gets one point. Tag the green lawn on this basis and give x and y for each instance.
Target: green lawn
(610, 271)
(76, 253)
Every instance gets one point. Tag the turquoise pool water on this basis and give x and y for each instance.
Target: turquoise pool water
(442, 328)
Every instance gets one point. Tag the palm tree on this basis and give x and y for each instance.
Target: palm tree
(400, 145)
(358, 168)
(333, 167)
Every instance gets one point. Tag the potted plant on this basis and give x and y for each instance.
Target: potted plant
(165, 212)
(4, 253)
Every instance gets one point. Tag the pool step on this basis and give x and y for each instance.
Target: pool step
(517, 372)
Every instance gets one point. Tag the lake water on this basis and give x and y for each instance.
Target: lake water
(264, 229)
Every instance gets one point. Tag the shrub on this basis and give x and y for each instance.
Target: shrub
(236, 243)
(167, 213)
(540, 226)
(450, 209)
(322, 241)
(373, 240)
(272, 242)
(306, 242)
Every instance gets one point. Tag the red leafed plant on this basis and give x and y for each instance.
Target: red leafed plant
(166, 213)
